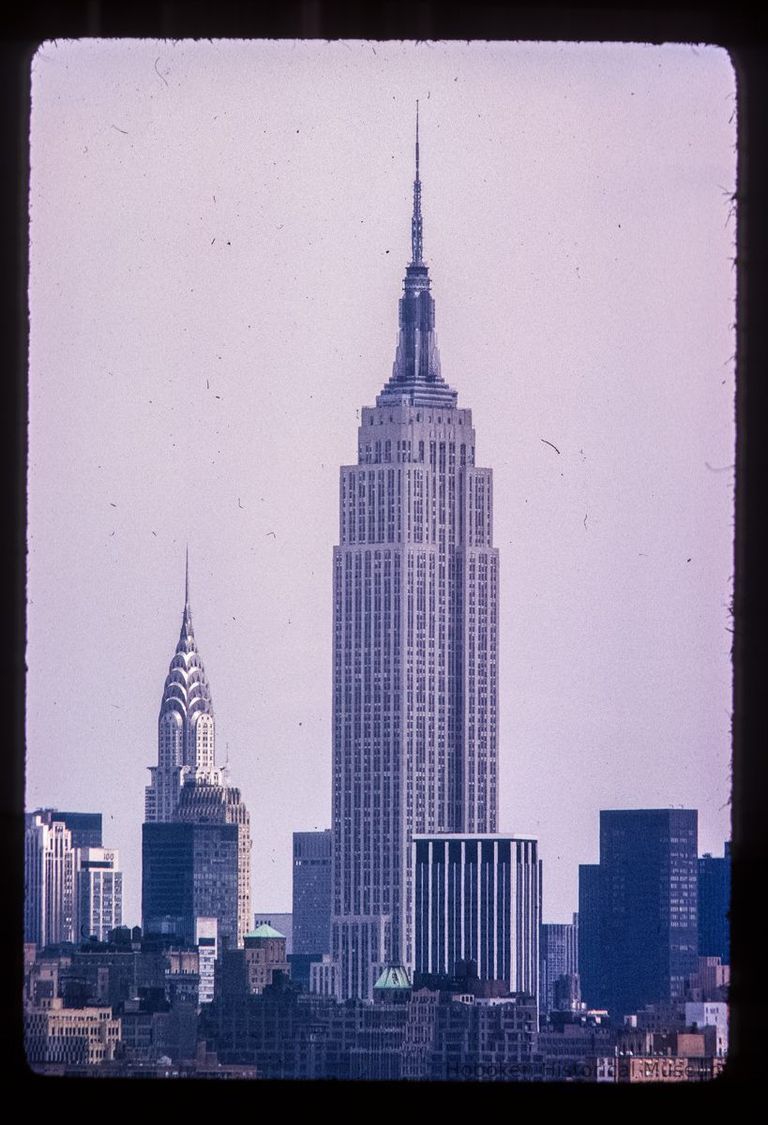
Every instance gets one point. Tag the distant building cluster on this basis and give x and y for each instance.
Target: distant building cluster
(171, 1004)
(73, 885)
(138, 1005)
(415, 948)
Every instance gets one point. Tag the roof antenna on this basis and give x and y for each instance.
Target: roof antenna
(417, 247)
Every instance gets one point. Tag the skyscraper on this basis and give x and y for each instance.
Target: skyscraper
(189, 871)
(647, 932)
(188, 788)
(312, 892)
(99, 892)
(478, 899)
(589, 933)
(558, 958)
(185, 727)
(415, 617)
(208, 802)
(50, 880)
(714, 905)
(73, 887)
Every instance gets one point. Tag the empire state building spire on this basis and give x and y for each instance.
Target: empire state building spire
(417, 246)
(416, 378)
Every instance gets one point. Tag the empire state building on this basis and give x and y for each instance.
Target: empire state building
(415, 642)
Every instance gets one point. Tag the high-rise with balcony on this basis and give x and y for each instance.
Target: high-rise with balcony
(415, 641)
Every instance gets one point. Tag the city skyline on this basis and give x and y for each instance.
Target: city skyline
(567, 668)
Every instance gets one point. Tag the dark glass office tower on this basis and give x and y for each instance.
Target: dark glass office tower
(84, 826)
(558, 959)
(589, 934)
(189, 871)
(714, 904)
(312, 893)
(648, 894)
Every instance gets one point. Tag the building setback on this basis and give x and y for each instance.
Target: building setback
(415, 642)
(477, 898)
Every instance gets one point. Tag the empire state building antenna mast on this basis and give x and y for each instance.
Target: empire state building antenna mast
(417, 245)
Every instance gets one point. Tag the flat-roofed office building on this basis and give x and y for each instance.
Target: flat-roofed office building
(478, 898)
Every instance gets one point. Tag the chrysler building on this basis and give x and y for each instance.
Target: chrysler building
(185, 728)
(188, 788)
(415, 642)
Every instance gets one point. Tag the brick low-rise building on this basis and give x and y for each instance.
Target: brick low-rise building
(250, 970)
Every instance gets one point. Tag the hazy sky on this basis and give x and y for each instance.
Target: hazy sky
(218, 237)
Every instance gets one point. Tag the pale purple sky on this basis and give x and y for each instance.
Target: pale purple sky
(218, 236)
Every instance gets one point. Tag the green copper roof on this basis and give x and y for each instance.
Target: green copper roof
(265, 931)
(394, 976)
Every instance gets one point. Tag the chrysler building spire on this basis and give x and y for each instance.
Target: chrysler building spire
(187, 637)
(186, 730)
